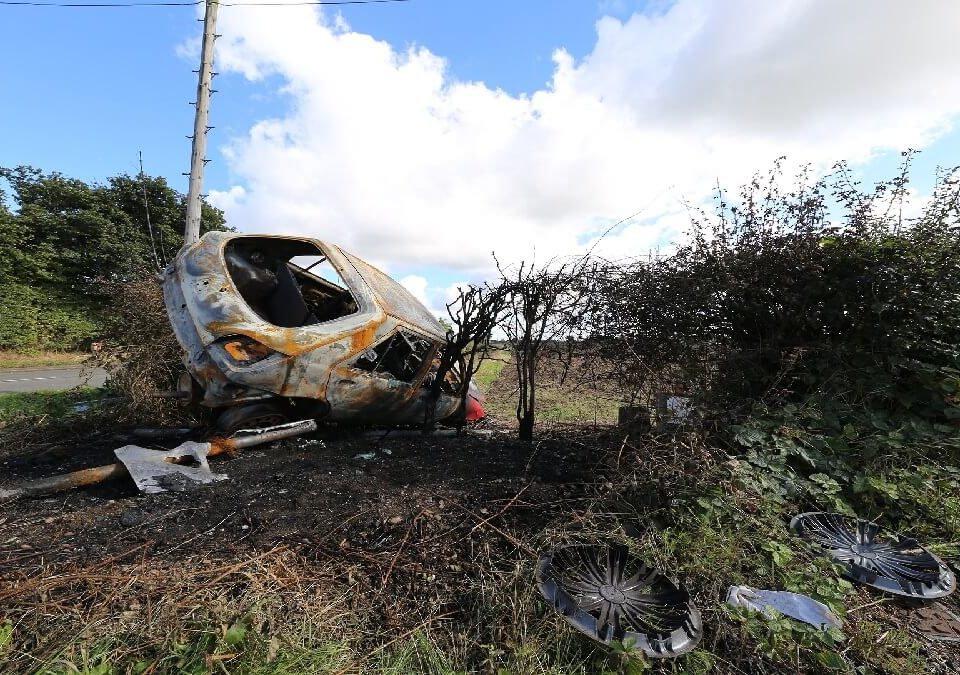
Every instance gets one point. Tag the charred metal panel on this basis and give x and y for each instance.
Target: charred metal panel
(396, 300)
(218, 309)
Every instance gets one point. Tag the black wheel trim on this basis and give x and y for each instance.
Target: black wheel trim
(900, 566)
(654, 614)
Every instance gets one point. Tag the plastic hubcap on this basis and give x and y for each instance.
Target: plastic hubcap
(612, 594)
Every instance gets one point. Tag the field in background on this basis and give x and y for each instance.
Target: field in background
(491, 368)
(565, 395)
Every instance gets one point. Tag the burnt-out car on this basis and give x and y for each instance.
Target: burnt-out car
(276, 328)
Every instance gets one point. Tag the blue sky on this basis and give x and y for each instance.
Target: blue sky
(84, 89)
(424, 135)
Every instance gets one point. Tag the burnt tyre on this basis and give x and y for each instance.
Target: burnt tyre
(251, 416)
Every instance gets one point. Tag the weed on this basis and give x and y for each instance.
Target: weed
(45, 403)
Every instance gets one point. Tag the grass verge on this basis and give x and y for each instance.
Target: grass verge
(9, 359)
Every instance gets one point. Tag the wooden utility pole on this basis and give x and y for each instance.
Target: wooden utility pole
(191, 231)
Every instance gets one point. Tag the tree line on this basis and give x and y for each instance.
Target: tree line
(63, 241)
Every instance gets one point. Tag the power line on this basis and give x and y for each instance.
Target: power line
(28, 3)
(146, 208)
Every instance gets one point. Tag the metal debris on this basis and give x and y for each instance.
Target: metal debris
(609, 595)
(794, 605)
(675, 407)
(216, 446)
(84, 477)
(156, 471)
(634, 418)
(890, 563)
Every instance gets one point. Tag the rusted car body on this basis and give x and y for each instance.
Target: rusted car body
(267, 337)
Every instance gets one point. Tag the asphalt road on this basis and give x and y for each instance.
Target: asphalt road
(49, 379)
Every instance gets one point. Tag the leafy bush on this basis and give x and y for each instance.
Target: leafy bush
(780, 295)
(33, 318)
(66, 238)
(822, 303)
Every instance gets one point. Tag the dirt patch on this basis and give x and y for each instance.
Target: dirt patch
(291, 492)
(412, 519)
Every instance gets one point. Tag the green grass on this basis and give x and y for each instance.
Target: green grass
(55, 403)
(209, 652)
(491, 369)
(9, 359)
(564, 406)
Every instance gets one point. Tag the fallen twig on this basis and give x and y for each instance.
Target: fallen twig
(403, 542)
(485, 522)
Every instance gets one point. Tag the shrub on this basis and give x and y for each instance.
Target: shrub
(33, 318)
(824, 291)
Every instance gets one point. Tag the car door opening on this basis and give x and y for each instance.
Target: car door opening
(281, 291)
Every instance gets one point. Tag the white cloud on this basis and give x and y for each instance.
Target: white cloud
(228, 200)
(382, 152)
(417, 285)
(452, 291)
(421, 290)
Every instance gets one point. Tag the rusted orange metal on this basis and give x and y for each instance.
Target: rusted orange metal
(257, 328)
(67, 481)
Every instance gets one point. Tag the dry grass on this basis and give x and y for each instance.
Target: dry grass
(129, 609)
(141, 353)
(304, 610)
(40, 359)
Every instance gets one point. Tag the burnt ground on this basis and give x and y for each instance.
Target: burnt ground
(308, 491)
(414, 526)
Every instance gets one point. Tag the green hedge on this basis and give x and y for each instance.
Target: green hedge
(35, 318)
